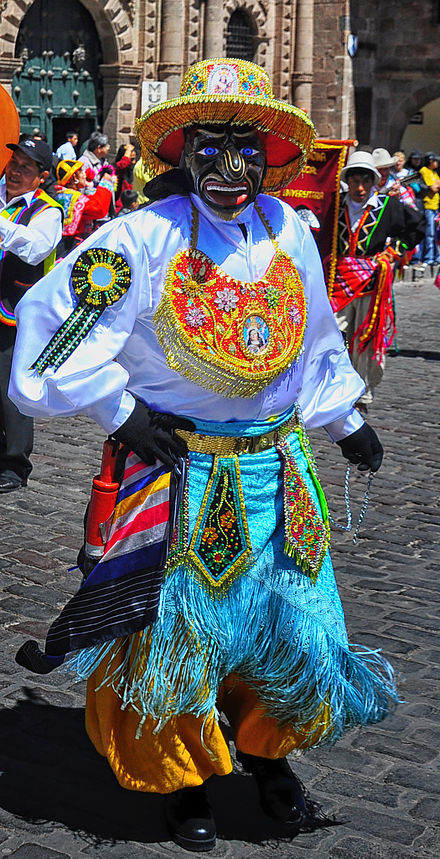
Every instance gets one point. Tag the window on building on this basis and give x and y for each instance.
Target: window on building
(363, 98)
(240, 40)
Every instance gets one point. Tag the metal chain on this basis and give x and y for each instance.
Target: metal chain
(364, 506)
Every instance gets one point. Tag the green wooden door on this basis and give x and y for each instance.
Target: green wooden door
(57, 86)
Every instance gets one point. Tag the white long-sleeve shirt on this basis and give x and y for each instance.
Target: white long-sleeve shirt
(121, 357)
(66, 151)
(33, 242)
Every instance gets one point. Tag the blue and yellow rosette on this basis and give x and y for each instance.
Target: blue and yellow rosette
(99, 278)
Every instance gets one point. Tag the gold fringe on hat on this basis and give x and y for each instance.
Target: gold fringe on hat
(219, 91)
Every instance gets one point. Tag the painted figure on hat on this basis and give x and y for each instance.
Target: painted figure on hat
(223, 80)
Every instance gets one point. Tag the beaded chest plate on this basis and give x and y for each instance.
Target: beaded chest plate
(228, 335)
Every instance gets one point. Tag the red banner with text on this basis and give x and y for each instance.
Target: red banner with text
(315, 197)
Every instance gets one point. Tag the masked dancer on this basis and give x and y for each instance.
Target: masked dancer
(200, 328)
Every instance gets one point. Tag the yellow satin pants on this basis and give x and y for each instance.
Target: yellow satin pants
(188, 749)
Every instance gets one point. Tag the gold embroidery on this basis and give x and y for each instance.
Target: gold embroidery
(230, 336)
(315, 155)
(226, 335)
(289, 192)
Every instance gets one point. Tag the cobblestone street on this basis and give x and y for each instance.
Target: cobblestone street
(60, 799)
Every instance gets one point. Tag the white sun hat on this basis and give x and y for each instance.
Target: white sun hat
(360, 161)
(382, 158)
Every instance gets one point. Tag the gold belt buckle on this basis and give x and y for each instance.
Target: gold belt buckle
(268, 440)
(246, 445)
(256, 443)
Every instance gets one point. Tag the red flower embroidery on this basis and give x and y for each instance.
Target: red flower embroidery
(209, 536)
(227, 520)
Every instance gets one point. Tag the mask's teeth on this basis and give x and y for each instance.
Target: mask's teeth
(228, 188)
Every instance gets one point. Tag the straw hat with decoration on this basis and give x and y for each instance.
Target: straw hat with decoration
(228, 91)
(66, 169)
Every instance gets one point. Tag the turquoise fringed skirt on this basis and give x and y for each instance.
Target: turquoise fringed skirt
(234, 601)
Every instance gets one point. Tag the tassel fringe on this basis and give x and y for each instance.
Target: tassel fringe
(298, 662)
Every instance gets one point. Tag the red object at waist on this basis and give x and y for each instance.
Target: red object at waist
(102, 501)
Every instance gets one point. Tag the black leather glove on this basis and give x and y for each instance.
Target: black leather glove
(151, 435)
(363, 448)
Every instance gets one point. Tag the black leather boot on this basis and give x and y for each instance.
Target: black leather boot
(190, 819)
(281, 793)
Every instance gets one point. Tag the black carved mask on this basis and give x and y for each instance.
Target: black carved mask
(227, 165)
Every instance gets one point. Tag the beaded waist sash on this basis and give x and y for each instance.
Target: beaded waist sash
(219, 547)
(220, 445)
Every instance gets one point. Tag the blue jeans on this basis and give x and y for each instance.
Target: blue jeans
(430, 249)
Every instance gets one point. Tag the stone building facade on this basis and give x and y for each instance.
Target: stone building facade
(396, 69)
(82, 62)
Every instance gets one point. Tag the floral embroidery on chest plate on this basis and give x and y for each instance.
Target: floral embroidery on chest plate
(227, 335)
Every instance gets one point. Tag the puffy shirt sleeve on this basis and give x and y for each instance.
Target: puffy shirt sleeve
(32, 242)
(90, 381)
(331, 386)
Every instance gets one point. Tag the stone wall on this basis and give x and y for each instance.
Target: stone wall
(332, 104)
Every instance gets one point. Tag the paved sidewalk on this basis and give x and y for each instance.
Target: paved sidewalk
(59, 798)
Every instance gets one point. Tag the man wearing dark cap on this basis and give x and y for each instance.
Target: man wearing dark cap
(30, 229)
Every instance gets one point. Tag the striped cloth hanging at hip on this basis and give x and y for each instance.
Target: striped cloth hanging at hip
(121, 594)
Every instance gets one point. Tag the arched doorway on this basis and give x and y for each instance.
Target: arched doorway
(423, 129)
(57, 86)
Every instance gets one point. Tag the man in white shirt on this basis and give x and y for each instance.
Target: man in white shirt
(67, 152)
(30, 229)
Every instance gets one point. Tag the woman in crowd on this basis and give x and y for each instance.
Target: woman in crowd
(94, 157)
(80, 210)
(431, 200)
(125, 161)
